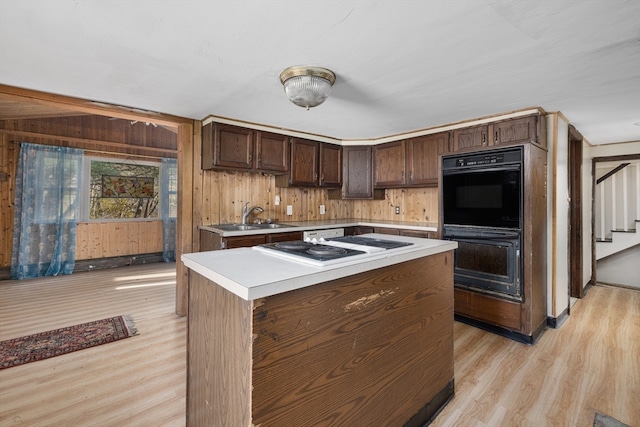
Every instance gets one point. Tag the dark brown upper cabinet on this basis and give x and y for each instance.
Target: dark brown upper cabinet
(272, 152)
(520, 130)
(423, 158)
(389, 165)
(313, 164)
(409, 163)
(357, 174)
(228, 147)
(471, 137)
(330, 165)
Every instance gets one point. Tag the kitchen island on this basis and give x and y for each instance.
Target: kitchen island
(273, 342)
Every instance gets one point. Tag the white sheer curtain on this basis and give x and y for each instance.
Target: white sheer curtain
(168, 207)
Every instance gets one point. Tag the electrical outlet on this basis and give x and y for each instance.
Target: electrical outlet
(277, 202)
(397, 210)
(322, 210)
(289, 210)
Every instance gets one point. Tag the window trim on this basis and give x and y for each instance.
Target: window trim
(86, 188)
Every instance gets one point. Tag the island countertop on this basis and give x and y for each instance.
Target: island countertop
(252, 274)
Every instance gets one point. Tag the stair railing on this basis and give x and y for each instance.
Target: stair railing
(611, 178)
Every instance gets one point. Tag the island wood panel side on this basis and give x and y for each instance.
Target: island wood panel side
(218, 356)
(96, 240)
(371, 349)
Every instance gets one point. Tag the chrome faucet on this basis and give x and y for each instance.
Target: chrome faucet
(246, 211)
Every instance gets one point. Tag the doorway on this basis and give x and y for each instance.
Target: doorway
(575, 214)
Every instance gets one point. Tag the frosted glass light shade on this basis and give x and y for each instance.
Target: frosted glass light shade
(307, 86)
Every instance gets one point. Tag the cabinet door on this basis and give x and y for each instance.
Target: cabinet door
(232, 147)
(243, 241)
(423, 158)
(357, 172)
(472, 137)
(284, 237)
(389, 165)
(417, 233)
(304, 162)
(330, 165)
(272, 151)
(384, 230)
(515, 131)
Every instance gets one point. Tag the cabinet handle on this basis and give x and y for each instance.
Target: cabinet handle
(250, 157)
(496, 140)
(315, 176)
(484, 139)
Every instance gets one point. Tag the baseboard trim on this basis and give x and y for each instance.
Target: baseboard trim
(617, 285)
(102, 263)
(119, 261)
(588, 286)
(556, 322)
(428, 413)
(507, 333)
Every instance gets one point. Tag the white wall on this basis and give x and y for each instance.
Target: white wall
(557, 215)
(624, 268)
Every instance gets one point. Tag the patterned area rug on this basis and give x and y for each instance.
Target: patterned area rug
(18, 351)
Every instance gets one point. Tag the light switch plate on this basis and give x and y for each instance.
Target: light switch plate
(322, 210)
(289, 210)
(277, 202)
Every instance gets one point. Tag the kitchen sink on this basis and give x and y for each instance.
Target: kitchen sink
(243, 227)
(272, 225)
(236, 227)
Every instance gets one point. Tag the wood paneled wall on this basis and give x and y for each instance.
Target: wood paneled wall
(224, 194)
(112, 239)
(97, 134)
(8, 164)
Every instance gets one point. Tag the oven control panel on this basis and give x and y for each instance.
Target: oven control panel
(486, 159)
(480, 160)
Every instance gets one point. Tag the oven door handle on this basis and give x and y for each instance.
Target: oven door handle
(486, 235)
(481, 168)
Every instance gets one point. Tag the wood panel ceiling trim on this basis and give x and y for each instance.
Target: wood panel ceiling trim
(33, 100)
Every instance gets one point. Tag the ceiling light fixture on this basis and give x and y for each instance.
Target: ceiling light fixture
(307, 86)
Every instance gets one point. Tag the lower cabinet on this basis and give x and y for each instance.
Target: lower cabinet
(354, 231)
(404, 232)
(210, 241)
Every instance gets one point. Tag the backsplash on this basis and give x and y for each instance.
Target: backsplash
(224, 194)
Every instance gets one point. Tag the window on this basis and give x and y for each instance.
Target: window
(122, 189)
(57, 180)
(169, 184)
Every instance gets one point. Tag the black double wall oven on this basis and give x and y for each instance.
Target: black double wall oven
(482, 203)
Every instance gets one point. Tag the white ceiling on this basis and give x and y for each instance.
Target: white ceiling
(401, 65)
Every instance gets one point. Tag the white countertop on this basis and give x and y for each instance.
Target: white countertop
(252, 274)
(325, 224)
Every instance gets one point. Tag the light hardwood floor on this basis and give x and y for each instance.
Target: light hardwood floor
(139, 381)
(591, 363)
